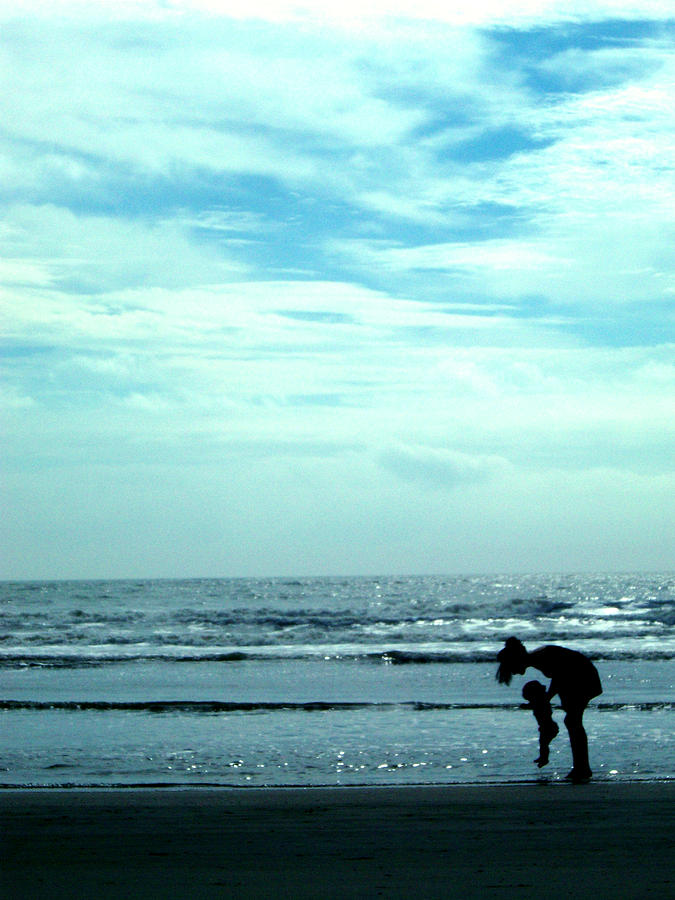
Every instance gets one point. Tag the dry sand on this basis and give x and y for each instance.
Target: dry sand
(520, 841)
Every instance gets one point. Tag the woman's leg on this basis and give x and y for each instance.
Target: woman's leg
(578, 742)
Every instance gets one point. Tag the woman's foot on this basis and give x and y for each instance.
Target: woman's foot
(579, 776)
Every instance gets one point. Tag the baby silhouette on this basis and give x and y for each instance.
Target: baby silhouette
(537, 700)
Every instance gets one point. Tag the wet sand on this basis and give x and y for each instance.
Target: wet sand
(520, 841)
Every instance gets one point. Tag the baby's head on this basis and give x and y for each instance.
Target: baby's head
(534, 691)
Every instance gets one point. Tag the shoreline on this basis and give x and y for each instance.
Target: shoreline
(7, 788)
(525, 840)
(165, 786)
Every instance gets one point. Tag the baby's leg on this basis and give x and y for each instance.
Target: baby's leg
(551, 729)
(547, 731)
(542, 759)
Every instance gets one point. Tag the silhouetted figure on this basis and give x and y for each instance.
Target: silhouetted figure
(574, 679)
(537, 700)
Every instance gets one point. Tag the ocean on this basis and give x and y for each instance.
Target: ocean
(323, 681)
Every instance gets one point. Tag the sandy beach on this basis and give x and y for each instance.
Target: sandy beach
(528, 840)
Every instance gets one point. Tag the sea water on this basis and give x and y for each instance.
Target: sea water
(323, 681)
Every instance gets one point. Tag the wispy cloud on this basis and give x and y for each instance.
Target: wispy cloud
(442, 468)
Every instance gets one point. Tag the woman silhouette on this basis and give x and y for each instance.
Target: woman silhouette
(574, 679)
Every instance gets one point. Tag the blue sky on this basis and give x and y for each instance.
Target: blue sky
(314, 291)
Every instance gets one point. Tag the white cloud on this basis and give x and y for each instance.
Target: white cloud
(496, 256)
(442, 468)
(84, 254)
(254, 102)
(521, 12)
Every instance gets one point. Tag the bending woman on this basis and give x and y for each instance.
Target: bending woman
(574, 679)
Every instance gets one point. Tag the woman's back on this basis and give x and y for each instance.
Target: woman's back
(571, 672)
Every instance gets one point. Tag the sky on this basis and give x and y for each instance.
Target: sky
(336, 288)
